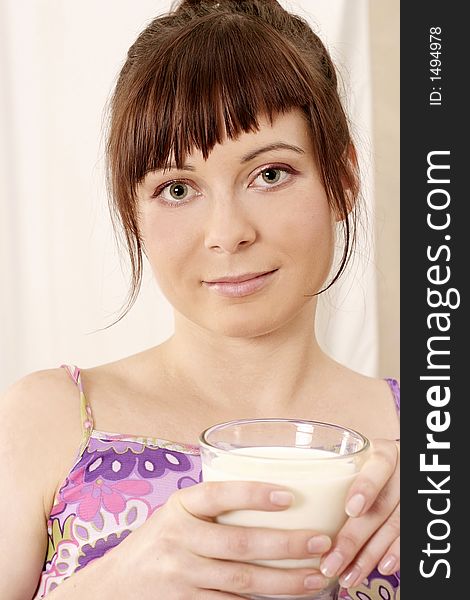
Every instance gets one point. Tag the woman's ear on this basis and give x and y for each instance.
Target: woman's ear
(352, 156)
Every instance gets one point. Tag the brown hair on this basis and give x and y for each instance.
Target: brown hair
(209, 69)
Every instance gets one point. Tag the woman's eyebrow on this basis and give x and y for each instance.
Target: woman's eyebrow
(169, 167)
(273, 146)
(244, 159)
(173, 166)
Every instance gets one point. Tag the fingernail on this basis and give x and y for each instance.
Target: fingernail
(387, 566)
(332, 564)
(319, 544)
(355, 505)
(315, 582)
(350, 578)
(281, 498)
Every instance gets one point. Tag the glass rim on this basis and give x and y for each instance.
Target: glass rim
(208, 446)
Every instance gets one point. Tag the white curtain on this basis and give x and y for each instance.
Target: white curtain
(61, 276)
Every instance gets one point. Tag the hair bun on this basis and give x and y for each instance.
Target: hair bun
(230, 4)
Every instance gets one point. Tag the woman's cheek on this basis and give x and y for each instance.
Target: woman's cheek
(306, 227)
(172, 251)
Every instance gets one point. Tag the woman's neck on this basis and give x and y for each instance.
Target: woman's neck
(265, 374)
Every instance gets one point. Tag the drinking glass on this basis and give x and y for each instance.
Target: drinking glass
(316, 461)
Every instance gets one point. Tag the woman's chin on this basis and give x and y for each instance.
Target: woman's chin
(250, 319)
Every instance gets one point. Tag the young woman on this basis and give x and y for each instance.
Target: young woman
(231, 167)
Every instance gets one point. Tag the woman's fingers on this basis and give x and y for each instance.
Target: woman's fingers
(390, 563)
(229, 542)
(363, 541)
(211, 499)
(374, 475)
(377, 551)
(245, 578)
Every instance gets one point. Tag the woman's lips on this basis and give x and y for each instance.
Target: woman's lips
(237, 289)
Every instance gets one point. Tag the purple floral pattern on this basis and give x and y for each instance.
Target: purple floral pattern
(375, 587)
(115, 485)
(187, 481)
(102, 546)
(113, 465)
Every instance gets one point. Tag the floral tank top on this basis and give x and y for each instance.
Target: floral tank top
(117, 482)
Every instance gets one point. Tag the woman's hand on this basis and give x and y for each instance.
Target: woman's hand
(371, 536)
(182, 553)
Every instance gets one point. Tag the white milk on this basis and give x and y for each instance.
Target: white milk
(319, 487)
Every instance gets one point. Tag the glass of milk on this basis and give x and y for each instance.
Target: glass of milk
(316, 461)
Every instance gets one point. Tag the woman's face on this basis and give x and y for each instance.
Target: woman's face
(237, 241)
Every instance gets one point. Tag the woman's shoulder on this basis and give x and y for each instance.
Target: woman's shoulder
(380, 399)
(360, 383)
(379, 387)
(38, 399)
(41, 428)
(371, 402)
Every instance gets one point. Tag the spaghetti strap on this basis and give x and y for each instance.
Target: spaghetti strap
(395, 389)
(74, 373)
(85, 409)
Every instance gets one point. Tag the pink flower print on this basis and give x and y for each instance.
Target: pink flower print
(109, 494)
(58, 508)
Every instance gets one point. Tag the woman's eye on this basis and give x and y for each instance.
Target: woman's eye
(272, 176)
(176, 192)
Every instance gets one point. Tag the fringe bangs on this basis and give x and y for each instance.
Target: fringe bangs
(213, 81)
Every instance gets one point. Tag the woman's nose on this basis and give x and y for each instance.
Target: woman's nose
(228, 227)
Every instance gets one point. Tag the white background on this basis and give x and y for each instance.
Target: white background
(61, 275)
